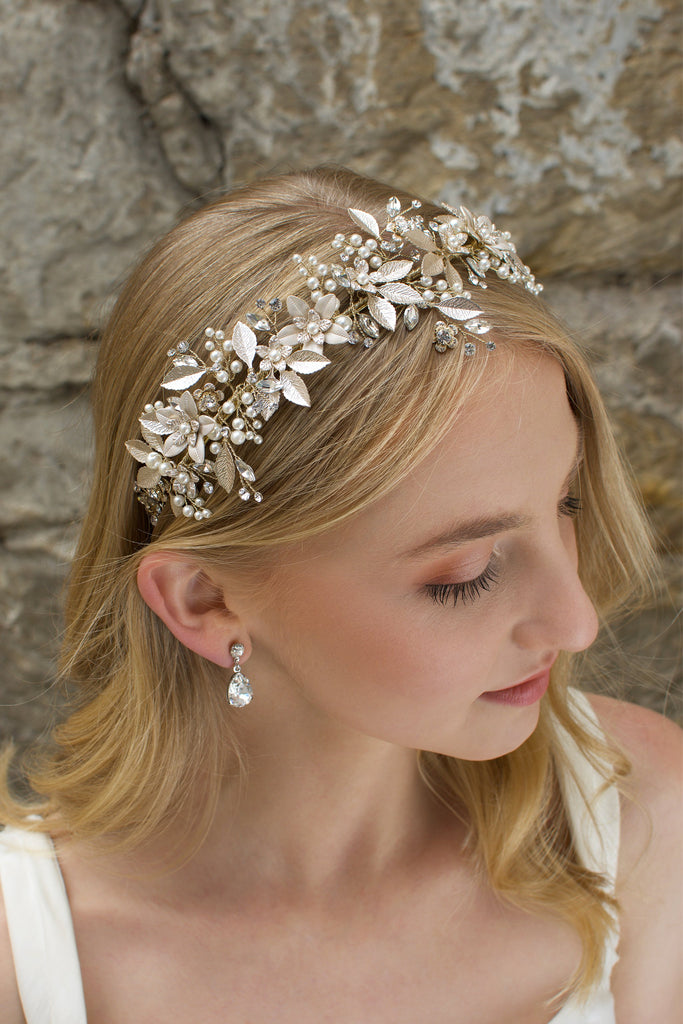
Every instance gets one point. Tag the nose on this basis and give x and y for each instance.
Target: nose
(557, 613)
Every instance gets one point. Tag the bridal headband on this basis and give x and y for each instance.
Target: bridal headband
(219, 400)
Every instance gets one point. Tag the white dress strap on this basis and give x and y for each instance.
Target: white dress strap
(593, 809)
(40, 929)
(594, 817)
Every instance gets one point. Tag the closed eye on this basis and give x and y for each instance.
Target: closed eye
(468, 590)
(570, 506)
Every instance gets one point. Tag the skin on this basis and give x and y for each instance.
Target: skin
(334, 868)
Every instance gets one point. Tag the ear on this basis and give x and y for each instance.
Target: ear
(192, 605)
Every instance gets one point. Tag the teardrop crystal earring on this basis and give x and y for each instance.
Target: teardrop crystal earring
(240, 692)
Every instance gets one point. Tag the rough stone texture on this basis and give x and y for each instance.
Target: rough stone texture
(569, 110)
(82, 181)
(559, 120)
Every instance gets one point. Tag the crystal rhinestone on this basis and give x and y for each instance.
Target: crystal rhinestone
(259, 323)
(258, 497)
(477, 327)
(341, 277)
(394, 206)
(237, 650)
(245, 471)
(470, 348)
(491, 345)
(269, 386)
(275, 305)
(260, 303)
(369, 326)
(240, 692)
(410, 317)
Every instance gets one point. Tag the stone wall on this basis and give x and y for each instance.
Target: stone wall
(560, 120)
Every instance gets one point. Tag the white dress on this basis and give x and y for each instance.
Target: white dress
(42, 935)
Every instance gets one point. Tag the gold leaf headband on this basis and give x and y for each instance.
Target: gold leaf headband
(189, 442)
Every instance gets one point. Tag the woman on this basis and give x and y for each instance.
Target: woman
(416, 816)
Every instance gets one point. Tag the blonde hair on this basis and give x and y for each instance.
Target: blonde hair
(148, 729)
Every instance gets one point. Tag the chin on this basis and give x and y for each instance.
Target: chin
(503, 730)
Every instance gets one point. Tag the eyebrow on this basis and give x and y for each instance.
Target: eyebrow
(488, 525)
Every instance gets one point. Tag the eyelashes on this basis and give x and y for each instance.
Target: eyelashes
(469, 590)
(570, 506)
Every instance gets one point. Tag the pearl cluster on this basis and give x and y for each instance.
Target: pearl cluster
(220, 350)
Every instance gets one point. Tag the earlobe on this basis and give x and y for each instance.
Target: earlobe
(190, 604)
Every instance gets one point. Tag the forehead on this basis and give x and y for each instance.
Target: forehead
(510, 448)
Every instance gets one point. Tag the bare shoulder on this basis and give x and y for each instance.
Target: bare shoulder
(10, 1004)
(648, 981)
(653, 743)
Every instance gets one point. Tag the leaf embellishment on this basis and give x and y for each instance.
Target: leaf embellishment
(394, 270)
(297, 306)
(420, 239)
(305, 361)
(365, 220)
(326, 306)
(224, 467)
(244, 342)
(382, 311)
(401, 293)
(294, 389)
(459, 309)
(183, 376)
(150, 437)
(453, 277)
(138, 450)
(153, 427)
(147, 477)
(432, 264)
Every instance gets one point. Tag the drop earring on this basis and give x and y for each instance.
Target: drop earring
(240, 692)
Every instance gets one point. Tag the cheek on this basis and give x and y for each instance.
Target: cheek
(372, 638)
(363, 639)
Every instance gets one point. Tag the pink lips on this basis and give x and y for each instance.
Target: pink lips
(524, 693)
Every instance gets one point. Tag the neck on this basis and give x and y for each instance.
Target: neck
(322, 807)
(322, 811)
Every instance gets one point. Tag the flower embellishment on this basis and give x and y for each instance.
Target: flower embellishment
(183, 427)
(221, 399)
(312, 328)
